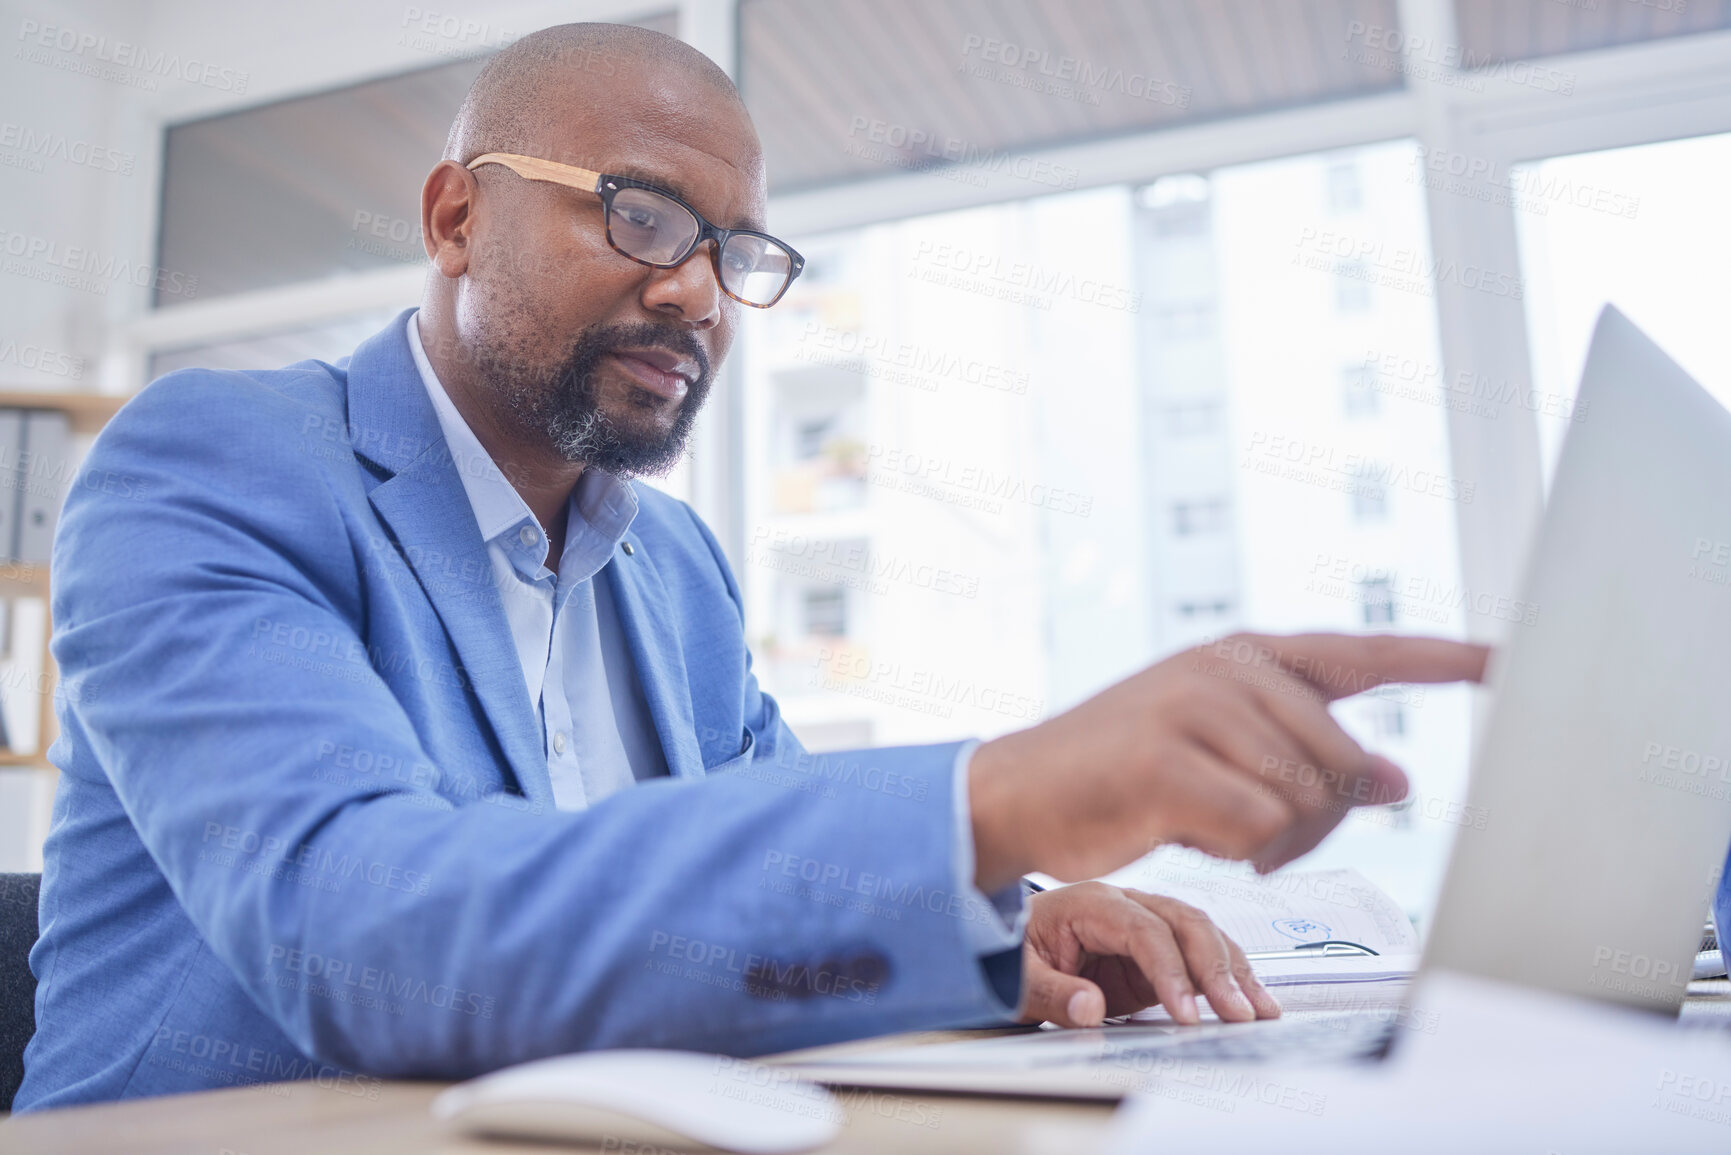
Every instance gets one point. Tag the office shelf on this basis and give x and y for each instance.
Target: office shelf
(86, 413)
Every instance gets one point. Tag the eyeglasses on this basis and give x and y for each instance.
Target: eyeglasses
(655, 228)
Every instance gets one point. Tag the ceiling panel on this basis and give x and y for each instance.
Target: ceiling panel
(851, 89)
(1492, 31)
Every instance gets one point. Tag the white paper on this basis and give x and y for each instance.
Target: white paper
(1282, 911)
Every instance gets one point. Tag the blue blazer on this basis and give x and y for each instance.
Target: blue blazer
(304, 827)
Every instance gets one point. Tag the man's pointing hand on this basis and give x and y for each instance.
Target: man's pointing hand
(1228, 748)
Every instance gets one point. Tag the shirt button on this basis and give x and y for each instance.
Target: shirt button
(559, 742)
(527, 536)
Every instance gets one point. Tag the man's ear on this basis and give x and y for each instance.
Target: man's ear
(447, 216)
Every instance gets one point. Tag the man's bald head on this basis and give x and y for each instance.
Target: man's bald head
(559, 349)
(515, 104)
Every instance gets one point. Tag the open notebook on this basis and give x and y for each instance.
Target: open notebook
(1283, 912)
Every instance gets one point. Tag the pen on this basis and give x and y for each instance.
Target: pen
(1328, 948)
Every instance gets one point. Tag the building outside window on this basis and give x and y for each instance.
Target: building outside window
(1358, 390)
(1376, 595)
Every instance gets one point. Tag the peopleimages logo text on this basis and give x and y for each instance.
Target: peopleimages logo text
(938, 149)
(93, 270)
(1082, 73)
(46, 144)
(120, 53)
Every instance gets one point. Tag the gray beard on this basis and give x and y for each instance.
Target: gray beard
(568, 412)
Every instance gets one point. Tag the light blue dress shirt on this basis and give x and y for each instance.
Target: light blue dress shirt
(597, 732)
(596, 729)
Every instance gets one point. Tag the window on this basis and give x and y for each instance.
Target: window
(1186, 320)
(826, 612)
(1358, 390)
(1178, 205)
(1387, 718)
(1300, 549)
(1190, 518)
(1183, 220)
(1052, 490)
(810, 437)
(1351, 287)
(1376, 596)
(1344, 192)
(1194, 418)
(1369, 491)
(1644, 228)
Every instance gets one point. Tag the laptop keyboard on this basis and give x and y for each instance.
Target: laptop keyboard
(1310, 1037)
(1322, 1039)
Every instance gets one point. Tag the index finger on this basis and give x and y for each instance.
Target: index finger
(1340, 665)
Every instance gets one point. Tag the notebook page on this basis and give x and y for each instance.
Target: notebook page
(1282, 911)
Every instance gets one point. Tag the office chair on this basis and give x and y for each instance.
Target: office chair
(18, 895)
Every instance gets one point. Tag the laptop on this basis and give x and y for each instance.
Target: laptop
(1604, 766)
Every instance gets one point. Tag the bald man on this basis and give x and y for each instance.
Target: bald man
(405, 735)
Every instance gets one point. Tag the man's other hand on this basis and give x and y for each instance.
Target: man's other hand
(1095, 950)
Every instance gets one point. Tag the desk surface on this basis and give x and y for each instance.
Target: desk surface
(295, 1118)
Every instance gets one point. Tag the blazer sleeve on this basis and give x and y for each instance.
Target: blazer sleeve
(739, 913)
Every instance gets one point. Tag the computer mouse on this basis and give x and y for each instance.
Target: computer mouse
(623, 1100)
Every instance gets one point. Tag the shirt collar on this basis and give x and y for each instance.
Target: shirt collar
(599, 514)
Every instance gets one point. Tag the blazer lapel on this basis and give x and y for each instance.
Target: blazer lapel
(392, 425)
(647, 622)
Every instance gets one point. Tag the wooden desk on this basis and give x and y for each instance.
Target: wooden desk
(304, 1119)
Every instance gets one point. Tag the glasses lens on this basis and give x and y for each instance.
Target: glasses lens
(648, 226)
(754, 268)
